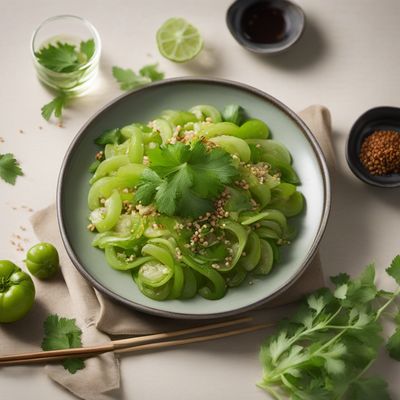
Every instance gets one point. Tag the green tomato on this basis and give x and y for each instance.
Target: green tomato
(42, 260)
(17, 292)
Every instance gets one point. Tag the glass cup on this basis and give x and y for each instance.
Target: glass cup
(72, 30)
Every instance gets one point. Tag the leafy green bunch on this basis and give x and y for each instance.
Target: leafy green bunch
(323, 352)
(185, 180)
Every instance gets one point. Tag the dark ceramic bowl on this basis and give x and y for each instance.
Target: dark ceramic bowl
(379, 118)
(294, 21)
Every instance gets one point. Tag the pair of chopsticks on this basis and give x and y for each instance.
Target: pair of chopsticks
(139, 343)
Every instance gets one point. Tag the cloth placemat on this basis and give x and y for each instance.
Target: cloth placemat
(98, 316)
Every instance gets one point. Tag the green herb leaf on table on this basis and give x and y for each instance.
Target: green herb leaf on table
(152, 72)
(325, 349)
(185, 180)
(55, 107)
(62, 333)
(9, 168)
(129, 80)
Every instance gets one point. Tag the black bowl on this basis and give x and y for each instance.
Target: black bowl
(294, 24)
(379, 118)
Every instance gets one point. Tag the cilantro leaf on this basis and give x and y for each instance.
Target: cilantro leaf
(212, 170)
(73, 364)
(341, 291)
(361, 290)
(9, 168)
(87, 49)
(62, 333)
(147, 186)
(316, 303)
(61, 57)
(129, 80)
(394, 269)
(190, 204)
(55, 106)
(168, 191)
(64, 57)
(368, 389)
(152, 72)
(184, 181)
(340, 279)
(393, 345)
(109, 136)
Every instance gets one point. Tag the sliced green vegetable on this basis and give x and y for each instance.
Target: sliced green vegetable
(272, 148)
(108, 166)
(178, 117)
(219, 129)
(234, 113)
(252, 252)
(206, 111)
(265, 264)
(118, 260)
(233, 145)
(254, 129)
(105, 218)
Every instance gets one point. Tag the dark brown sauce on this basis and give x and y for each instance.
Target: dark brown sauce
(262, 23)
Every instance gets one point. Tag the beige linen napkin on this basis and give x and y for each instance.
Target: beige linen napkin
(97, 315)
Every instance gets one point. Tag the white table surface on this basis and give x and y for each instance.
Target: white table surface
(348, 60)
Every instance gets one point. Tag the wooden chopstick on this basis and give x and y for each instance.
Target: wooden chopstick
(197, 339)
(135, 348)
(121, 343)
(115, 345)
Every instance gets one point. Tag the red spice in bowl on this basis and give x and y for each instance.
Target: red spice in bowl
(380, 152)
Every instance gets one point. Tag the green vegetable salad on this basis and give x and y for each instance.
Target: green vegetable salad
(192, 202)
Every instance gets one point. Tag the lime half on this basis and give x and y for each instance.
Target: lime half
(178, 40)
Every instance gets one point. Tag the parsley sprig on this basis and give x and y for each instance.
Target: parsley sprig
(63, 58)
(62, 333)
(183, 180)
(325, 350)
(129, 80)
(55, 106)
(9, 168)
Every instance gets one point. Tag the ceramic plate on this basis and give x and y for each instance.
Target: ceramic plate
(145, 104)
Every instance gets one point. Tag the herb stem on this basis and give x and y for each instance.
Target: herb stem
(316, 328)
(272, 392)
(356, 378)
(387, 304)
